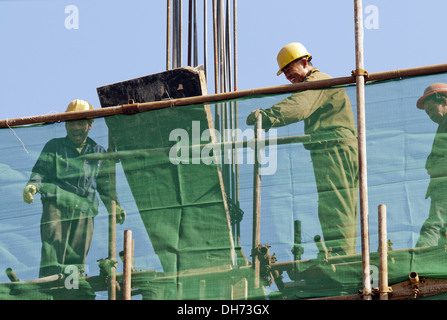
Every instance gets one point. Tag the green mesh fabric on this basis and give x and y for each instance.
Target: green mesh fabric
(190, 209)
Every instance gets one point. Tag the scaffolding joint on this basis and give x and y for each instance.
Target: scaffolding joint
(266, 260)
(366, 294)
(360, 72)
(382, 291)
(415, 282)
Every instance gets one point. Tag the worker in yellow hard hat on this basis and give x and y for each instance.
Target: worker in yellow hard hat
(434, 102)
(329, 121)
(68, 185)
(289, 53)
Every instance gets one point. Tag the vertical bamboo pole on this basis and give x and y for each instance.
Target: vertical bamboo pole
(363, 189)
(383, 254)
(127, 265)
(112, 223)
(236, 113)
(112, 251)
(257, 200)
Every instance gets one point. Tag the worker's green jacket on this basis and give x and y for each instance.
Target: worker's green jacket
(68, 181)
(327, 113)
(436, 164)
(329, 120)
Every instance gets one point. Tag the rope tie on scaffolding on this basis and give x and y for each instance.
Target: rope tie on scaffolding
(131, 107)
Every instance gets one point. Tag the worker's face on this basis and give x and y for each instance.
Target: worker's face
(296, 71)
(436, 109)
(77, 130)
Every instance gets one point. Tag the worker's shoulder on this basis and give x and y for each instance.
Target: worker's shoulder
(442, 128)
(315, 74)
(55, 141)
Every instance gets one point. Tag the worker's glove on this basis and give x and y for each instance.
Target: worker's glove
(28, 193)
(120, 214)
(266, 120)
(251, 119)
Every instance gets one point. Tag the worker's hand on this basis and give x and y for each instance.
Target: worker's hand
(28, 193)
(251, 119)
(120, 214)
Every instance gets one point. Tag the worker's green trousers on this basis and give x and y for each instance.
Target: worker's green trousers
(336, 175)
(437, 218)
(66, 240)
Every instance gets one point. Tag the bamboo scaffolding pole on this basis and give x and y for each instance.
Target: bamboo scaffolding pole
(363, 184)
(219, 97)
(11, 275)
(112, 222)
(383, 254)
(127, 265)
(43, 281)
(118, 155)
(112, 251)
(401, 291)
(257, 203)
(236, 120)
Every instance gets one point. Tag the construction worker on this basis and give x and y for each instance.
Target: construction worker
(67, 184)
(329, 120)
(434, 102)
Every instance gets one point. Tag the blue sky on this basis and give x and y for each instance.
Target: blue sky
(44, 65)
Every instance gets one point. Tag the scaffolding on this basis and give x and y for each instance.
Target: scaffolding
(225, 96)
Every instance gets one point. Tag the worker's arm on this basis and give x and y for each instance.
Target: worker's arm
(294, 108)
(107, 191)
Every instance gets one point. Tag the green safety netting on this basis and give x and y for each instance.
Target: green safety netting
(190, 209)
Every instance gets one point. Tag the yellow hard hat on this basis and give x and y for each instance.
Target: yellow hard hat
(289, 53)
(79, 105)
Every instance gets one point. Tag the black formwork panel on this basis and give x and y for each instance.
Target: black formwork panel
(183, 206)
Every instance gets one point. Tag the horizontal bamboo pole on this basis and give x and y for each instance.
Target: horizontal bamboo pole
(118, 155)
(146, 106)
(402, 291)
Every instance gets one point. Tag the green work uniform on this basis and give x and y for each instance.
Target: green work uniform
(329, 121)
(436, 166)
(68, 185)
